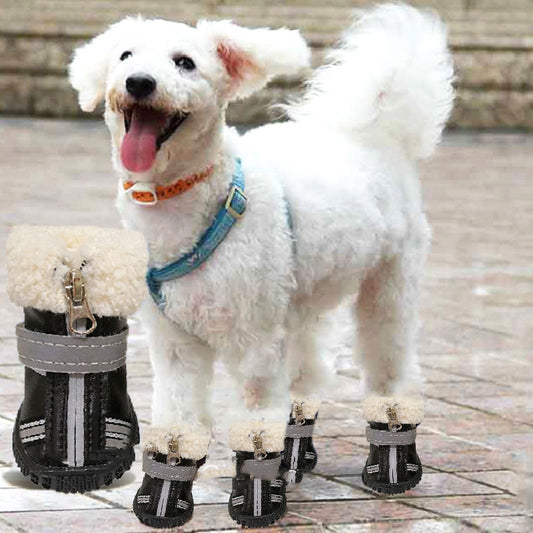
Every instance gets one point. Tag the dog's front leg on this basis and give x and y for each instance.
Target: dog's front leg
(176, 445)
(257, 434)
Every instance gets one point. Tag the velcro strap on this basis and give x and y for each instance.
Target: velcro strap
(168, 472)
(299, 432)
(381, 437)
(71, 355)
(265, 469)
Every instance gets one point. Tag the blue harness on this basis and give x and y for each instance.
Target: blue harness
(233, 209)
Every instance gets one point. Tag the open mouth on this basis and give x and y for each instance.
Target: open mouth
(146, 130)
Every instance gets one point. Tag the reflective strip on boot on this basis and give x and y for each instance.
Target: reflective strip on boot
(76, 420)
(393, 464)
(32, 431)
(117, 433)
(257, 497)
(294, 460)
(163, 499)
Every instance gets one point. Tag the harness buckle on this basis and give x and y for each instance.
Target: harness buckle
(237, 194)
(144, 188)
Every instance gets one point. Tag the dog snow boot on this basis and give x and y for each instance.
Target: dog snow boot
(393, 466)
(299, 456)
(258, 490)
(76, 427)
(171, 460)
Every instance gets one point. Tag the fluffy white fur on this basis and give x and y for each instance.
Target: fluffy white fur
(346, 166)
(193, 442)
(113, 263)
(272, 435)
(409, 410)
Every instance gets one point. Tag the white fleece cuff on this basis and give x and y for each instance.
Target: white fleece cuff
(193, 442)
(113, 263)
(409, 410)
(309, 407)
(272, 435)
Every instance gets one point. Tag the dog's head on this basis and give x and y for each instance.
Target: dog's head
(167, 84)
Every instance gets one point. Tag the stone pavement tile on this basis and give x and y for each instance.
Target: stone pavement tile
(503, 479)
(348, 511)
(5, 527)
(8, 348)
(102, 521)
(317, 488)
(6, 455)
(208, 516)
(135, 369)
(515, 406)
(479, 364)
(9, 405)
(468, 422)
(437, 484)
(338, 457)
(509, 524)
(466, 506)
(16, 499)
(350, 425)
(475, 393)
(9, 386)
(431, 525)
(14, 372)
(432, 375)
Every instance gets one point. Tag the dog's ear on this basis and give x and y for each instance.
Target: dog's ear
(251, 57)
(89, 67)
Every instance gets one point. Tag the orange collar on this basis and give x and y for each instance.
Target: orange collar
(146, 193)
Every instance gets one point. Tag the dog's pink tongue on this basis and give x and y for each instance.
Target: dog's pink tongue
(139, 145)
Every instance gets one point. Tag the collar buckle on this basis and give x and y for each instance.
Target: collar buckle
(236, 202)
(142, 193)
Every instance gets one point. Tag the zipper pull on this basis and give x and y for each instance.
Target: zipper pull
(259, 451)
(80, 320)
(298, 413)
(173, 456)
(392, 415)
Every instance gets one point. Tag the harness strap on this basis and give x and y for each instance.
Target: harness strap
(228, 214)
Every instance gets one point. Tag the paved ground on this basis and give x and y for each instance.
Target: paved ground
(475, 349)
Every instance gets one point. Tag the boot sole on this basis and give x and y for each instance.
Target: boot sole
(393, 488)
(162, 522)
(73, 479)
(258, 521)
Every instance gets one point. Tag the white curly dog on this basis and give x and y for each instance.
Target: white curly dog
(333, 200)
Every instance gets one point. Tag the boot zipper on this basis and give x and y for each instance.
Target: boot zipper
(80, 323)
(259, 454)
(394, 426)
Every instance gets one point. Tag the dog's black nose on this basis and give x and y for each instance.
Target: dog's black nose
(140, 85)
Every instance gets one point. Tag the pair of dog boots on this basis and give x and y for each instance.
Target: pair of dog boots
(171, 459)
(299, 455)
(76, 427)
(393, 466)
(258, 488)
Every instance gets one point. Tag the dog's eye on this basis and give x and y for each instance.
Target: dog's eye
(184, 62)
(125, 55)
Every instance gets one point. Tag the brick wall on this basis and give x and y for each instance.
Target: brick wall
(492, 42)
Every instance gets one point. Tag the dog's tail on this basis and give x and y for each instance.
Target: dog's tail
(392, 74)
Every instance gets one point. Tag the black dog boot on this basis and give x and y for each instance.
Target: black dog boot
(299, 456)
(171, 460)
(258, 490)
(76, 427)
(393, 466)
